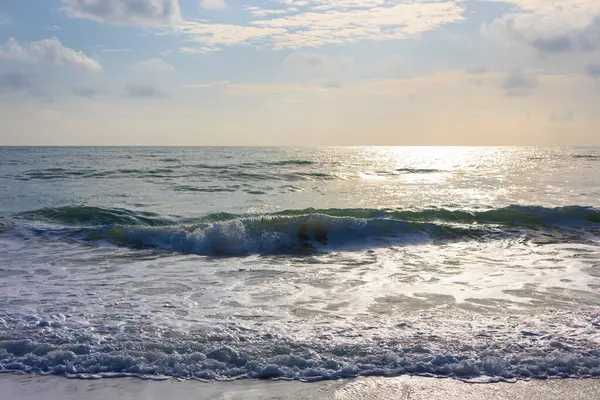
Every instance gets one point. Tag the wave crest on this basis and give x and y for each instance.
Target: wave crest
(293, 231)
(89, 215)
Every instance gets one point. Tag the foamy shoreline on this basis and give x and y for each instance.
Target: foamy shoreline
(26, 387)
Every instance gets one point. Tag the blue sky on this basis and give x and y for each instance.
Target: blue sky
(398, 72)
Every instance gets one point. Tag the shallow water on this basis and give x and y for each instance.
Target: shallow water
(313, 263)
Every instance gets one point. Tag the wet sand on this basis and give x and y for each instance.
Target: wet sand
(28, 387)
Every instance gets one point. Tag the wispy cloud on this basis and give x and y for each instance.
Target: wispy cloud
(197, 50)
(154, 65)
(215, 36)
(49, 51)
(315, 23)
(213, 4)
(324, 5)
(262, 12)
(352, 21)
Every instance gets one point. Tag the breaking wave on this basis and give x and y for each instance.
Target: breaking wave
(294, 231)
(89, 215)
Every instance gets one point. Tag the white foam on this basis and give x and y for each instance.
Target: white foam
(504, 348)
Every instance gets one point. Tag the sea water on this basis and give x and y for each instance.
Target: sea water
(300, 263)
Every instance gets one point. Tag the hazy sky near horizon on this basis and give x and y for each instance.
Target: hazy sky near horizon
(293, 72)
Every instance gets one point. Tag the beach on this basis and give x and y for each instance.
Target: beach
(27, 387)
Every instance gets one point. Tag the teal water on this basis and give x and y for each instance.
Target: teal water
(300, 263)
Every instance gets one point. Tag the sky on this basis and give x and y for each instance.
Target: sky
(299, 72)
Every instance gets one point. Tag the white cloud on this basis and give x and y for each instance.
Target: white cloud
(48, 50)
(313, 29)
(325, 22)
(262, 12)
(197, 50)
(53, 51)
(12, 50)
(296, 24)
(550, 26)
(125, 12)
(213, 36)
(334, 4)
(213, 4)
(155, 64)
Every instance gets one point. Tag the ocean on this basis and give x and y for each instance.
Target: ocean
(305, 264)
